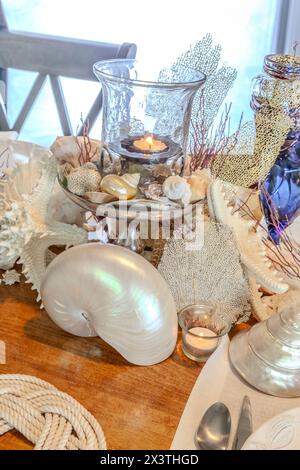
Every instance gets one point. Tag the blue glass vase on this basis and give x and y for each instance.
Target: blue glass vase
(282, 188)
(280, 191)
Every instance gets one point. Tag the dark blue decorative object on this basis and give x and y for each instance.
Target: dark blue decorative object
(282, 187)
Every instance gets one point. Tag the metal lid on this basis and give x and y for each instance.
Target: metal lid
(283, 66)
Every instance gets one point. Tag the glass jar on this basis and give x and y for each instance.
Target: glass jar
(146, 117)
(279, 87)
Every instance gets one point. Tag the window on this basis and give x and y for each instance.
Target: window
(162, 30)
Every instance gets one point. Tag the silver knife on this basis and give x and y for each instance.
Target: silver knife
(244, 427)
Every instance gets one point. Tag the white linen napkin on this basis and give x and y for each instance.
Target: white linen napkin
(218, 382)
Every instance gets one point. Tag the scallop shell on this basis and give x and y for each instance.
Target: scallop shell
(176, 188)
(112, 292)
(118, 187)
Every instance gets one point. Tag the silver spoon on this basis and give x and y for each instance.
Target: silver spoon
(214, 429)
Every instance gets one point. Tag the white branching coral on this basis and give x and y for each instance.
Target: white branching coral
(27, 229)
(208, 272)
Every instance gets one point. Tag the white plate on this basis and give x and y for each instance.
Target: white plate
(279, 433)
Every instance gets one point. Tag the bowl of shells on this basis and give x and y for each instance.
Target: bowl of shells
(81, 161)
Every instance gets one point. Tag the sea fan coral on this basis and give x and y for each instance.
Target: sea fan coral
(210, 272)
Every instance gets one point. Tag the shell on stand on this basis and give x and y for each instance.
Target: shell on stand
(132, 179)
(152, 191)
(117, 187)
(177, 188)
(69, 149)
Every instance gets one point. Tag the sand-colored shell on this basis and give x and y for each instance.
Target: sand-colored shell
(132, 179)
(199, 182)
(118, 187)
(177, 188)
(153, 191)
(250, 245)
(161, 171)
(99, 198)
(82, 180)
(264, 306)
(68, 149)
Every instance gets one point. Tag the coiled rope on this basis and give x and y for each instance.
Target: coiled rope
(50, 419)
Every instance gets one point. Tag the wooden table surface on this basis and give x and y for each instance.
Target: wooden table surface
(138, 407)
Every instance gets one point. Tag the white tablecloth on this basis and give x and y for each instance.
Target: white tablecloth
(218, 382)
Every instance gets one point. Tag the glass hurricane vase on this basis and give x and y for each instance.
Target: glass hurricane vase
(146, 118)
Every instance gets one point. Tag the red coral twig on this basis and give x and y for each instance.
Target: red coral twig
(86, 146)
(212, 143)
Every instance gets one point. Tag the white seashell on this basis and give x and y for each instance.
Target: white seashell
(199, 182)
(176, 188)
(248, 241)
(132, 179)
(67, 149)
(11, 277)
(82, 180)
(117, 187)
(98, 197)
(264, 306)
(112, 292)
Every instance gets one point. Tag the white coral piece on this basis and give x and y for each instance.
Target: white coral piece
(27, 229)
(18, 182)
(250, 245)
(84, 179)
(11, 277)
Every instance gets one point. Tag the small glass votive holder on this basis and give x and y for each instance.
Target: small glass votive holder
(202, 330)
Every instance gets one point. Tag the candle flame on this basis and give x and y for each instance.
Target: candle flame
(149, 141)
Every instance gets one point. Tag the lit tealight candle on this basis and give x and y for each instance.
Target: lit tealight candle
(202, 339)
(149, 144)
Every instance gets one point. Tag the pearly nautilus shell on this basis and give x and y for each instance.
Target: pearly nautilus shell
(109, 291)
